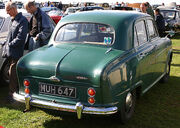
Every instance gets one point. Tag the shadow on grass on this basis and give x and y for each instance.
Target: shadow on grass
(5, 104)
(177, 36)
(87, 121)
(175, 65)
(176, 51)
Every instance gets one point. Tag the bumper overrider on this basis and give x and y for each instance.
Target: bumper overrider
(78, 108)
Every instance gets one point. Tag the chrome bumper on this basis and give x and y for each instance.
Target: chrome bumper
(79, 108)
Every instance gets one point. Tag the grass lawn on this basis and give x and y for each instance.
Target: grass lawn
(158, 108)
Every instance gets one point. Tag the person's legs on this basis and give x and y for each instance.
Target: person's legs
(31, 43)
(13, 81)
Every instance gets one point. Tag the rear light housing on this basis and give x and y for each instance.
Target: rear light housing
(26, 90)
(26, 82)
(91, 92)
(91, 100)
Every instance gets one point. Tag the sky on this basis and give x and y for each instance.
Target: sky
(111, 1)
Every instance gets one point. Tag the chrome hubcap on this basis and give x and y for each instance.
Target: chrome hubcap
(129, 102)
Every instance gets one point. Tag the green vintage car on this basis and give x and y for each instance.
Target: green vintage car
(96, 62)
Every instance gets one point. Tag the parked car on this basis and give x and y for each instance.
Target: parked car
(106, 6)
(178, 7)
(122, 8)
(56, 15)
(48, 9)
(71, 10)
(90, 8)
(4, 24)
(97, 62)
(2, 6)
(19, 5)
(172, 18)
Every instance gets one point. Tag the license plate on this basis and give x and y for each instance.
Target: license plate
(63, 91)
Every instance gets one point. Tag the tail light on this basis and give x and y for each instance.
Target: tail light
(91, 100)
(91, 92)
(27, 91)
(26, 83)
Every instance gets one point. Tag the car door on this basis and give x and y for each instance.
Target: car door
(159, 52)
(144, 54)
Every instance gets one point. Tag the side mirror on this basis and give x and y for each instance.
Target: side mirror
(171, 33)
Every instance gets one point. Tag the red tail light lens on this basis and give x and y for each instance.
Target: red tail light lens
(26, 83)
(91, 100)
(91, 92)
(27, 91)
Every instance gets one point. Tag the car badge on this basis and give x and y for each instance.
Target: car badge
(55, 79)
(81, 78)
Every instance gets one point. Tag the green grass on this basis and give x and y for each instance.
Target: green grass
(158, 108)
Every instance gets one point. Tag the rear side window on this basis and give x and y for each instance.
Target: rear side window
(151, 28)
(140, 32)
(86, 33)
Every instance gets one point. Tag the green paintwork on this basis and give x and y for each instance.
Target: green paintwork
(112, 74)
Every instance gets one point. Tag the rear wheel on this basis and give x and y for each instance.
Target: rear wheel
(127, 109)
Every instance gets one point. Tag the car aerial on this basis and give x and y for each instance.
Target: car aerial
(95, 65)
(4, 24)
(172, 18)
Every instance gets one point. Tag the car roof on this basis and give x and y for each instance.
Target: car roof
(99, 16)
(121, 21)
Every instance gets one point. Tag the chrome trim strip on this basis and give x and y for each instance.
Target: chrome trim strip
(55, 79)
(64, 107)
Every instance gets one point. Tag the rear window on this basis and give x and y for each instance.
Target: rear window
(86, 33)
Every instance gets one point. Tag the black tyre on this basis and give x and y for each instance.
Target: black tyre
(5, 73)
(165, 78)
(128, 107)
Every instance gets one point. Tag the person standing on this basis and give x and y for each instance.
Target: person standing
(60, 5)
(85, 8)
(149, 10)
(143, 8)
(160, 22)
(40, 26)
(13, 47)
